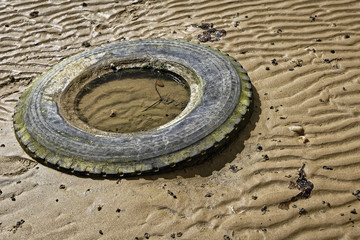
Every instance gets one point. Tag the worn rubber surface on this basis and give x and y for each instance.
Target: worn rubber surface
(220, 95)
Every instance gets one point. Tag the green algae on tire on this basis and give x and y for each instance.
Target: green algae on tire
(220, 96)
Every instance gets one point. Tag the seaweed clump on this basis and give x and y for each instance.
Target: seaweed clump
(302, 184)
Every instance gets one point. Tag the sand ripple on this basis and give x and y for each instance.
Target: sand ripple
(313, 83)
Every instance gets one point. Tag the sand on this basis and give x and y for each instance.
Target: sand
(303, 60)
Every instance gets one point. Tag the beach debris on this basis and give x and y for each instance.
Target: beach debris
(302, 211)
(179, 234)
(254, 197)
(84, 4)
(147, 235)
(101, 232)
(118, 210)
(34, 14)
(274, 62)
(313, 18)
(259, 148)
(62, 186)
(172, 194)
(234, 168)
(267, 68)
(264, 209)
(85, 44)
(327, 168)
(304, 139)
(18, 225)
(301, 184)
(2, 145)
(347, 36)
(159, 83)
(226, 237)
(297, 129)
(210, 34)
(353, 211)
(112, 113)
(357, 194)
(208, 195)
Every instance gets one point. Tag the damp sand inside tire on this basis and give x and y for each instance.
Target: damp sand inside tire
(132, 100)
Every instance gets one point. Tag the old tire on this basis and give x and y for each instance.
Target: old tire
(220, 95)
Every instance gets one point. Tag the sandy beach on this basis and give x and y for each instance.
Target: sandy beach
(303, 60)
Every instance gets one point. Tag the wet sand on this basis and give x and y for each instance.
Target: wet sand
(302, 58)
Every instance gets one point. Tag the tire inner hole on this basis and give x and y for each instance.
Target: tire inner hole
(132, 100)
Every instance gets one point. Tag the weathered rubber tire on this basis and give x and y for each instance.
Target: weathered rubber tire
(219, 99)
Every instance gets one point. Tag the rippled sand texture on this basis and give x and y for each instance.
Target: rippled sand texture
(306, 112)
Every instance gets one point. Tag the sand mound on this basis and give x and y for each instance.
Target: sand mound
(302, 58)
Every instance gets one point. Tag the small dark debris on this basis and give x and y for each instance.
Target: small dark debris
(204, 26)
(344, 89)
(34, 14)
(302, 211)
(313, 18)
(332, 51)
(259, 148)
(279, 31)
(56, 200)
(208, 195)
(234, 168)
(327, 168)
(291, 69)
(283, 117)
(288, 176)
(147, 235)
(84, 4)
(62, 186)
(2, 145)
(179, 234)
(172, 194)
(226, 237)
(347, 36)
(207, 36)
(357, 194)
(37, 167)
(7, 25)
(13, 198)
(86, 44)
(243, 52)
(272, 43)
(118, 181)
(318, 40)
(298, 63)
(271, 107)
(353, 211)
(341, 214)
(118, 210)
(246, 16)
(267, 68)
(173, 235)
(274, 62)
(254, 197)
(263, 229)
(264, 209)
(301, 184)
(18, 225)
(18, 182)
(1, 192)
(99, 208)
(236, 24)
(266, 157)
(294, 206)
(101, 232)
